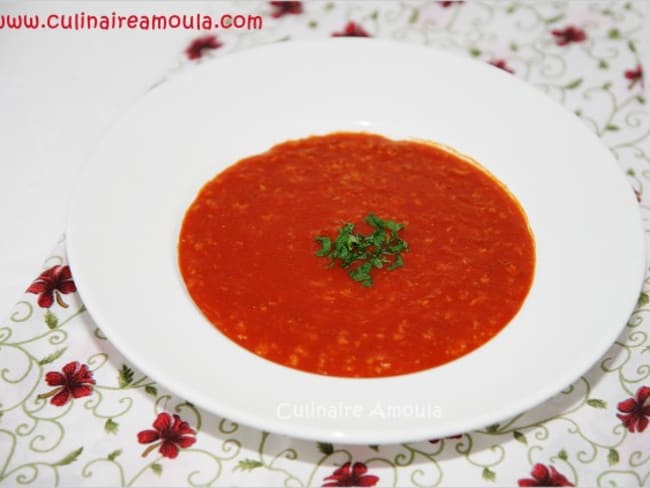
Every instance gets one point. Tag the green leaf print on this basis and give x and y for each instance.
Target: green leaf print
(50, 358)
(596, 403)
(326, 448)
(111, 427)
(51, 320)
(573, 84)
(488, 474)
(248, 465)
(520, 437)
(613, 457)
(125, 376)
(113, 455)
(70, 458)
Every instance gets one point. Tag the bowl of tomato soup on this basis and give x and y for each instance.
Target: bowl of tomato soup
(247, 254)
(398, 249)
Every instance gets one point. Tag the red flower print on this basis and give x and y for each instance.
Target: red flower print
(435, 441)
(171, 432)
(545, 476)
(635, 76)
(199, 46)
(50, 284)
(502, 64)
(281, 9)
(568, 35)
(449, 3)
(351, 29)
(355, 476)
(76, 381)
(635, 411)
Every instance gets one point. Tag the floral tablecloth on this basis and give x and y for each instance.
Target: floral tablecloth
(74, 412)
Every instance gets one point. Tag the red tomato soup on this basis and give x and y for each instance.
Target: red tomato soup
(247, 253)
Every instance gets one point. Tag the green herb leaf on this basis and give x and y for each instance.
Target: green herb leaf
(398, 263)
(70, 458)
(51, 320)
(151, 390)
(50, 358)
(563, 455)
(613, 457)
(596, 403)
(125, 377)
(488, 474)
(520, 437)
(362, 274)
(381, 248)
(377, 223)
(156, 468)
(326, 448)
(326, 246)
(111, 427)
(112, 456)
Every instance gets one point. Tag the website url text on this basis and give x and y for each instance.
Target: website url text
(114, 21)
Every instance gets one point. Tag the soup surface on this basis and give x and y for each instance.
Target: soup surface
(247, 253)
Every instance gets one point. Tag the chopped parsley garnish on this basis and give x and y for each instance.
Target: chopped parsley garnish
(360, 253)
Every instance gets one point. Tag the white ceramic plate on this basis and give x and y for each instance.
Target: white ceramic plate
(131, 198)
